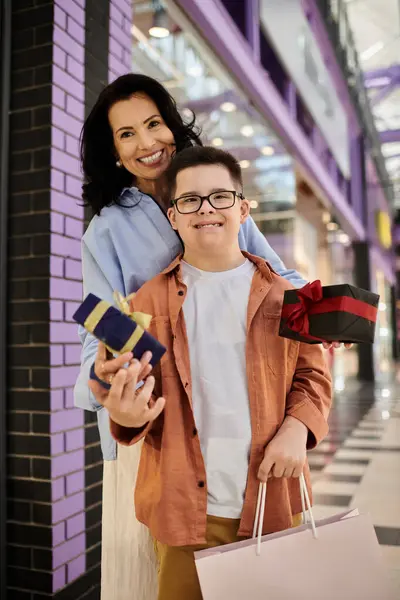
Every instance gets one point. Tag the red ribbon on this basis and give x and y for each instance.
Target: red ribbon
(312, 302)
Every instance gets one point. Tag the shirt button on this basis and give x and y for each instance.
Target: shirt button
(201, 484)
(180, 293)
(195, 431)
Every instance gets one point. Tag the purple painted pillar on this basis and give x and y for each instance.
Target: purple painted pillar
(253, 27)
(291, 99)
(66, 422)
(67, 222)
(120, 42)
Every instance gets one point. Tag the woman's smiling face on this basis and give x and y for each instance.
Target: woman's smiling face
(143, 143)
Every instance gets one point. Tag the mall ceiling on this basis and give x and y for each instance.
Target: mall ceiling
(376, 32)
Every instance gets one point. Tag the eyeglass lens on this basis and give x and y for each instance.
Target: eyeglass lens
(218, 200)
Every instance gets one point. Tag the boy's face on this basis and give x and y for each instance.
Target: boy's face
(209, 229)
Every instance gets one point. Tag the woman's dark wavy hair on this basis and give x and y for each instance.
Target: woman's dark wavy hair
(103, 180)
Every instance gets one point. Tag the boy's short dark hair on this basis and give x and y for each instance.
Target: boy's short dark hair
(201, 155)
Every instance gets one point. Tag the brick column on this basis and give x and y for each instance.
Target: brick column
(66, 422)
(60, 63)
(29, 493)
(120, 42)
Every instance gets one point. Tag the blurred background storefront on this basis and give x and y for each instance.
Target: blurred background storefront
(309, 231)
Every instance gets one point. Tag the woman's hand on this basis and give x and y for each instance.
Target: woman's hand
(127, 405)
(328, 345)
(106, 368)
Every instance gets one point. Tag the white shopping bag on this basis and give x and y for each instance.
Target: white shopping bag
(338, 558)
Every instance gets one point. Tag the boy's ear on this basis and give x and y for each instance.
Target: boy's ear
(172, 217)
(244, 210)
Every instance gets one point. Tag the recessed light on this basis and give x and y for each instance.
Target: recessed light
(195, 71)
(244, 164)
(228, 107)
(217, 141)
(253, 204)
(247, 130)
(267, 151)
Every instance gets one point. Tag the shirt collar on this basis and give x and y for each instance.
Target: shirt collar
(130, 196)
(265, 269)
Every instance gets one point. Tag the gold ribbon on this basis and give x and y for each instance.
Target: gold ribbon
(96, 315)
(123, 304)
(142, 320)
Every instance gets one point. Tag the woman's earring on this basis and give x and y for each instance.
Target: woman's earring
(118, 163)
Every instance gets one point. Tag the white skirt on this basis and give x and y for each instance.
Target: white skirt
(128, 564)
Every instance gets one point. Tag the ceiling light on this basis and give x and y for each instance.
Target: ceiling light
(228, 107)
(195, 71)
(159, 32)
(159, 28)
(372, 50)
(382, 306)
(217, 141)
(244, 164)
(344, 238)
(247, 130)
(267, 151)
(253, 204)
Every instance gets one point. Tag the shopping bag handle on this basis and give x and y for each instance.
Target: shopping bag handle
(260, 511)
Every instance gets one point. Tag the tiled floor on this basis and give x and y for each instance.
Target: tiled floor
(358, 465)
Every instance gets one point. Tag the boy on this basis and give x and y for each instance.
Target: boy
(231, 402)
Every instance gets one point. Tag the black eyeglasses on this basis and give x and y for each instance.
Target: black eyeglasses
(218, 200)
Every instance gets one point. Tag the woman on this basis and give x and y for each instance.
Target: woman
(127, 143)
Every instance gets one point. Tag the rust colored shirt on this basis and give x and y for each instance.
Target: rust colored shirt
(284, 378)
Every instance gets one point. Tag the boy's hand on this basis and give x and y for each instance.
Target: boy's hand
(285, 454)
(126, 405)
(106, 367)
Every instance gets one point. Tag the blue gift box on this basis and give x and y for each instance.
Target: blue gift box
(118, 331)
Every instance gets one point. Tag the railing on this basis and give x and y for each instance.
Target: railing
(334, 14)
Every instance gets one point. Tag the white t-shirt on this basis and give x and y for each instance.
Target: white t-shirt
(215, 311)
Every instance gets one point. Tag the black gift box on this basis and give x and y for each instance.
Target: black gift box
(333, 313)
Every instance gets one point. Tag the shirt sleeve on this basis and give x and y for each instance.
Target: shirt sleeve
(98, 259)
(310, 396)
(256, 243)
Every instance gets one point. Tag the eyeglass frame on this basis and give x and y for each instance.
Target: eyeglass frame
(203, 198)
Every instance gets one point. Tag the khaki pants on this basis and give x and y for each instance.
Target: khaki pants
(177, 578)
(128, 565)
